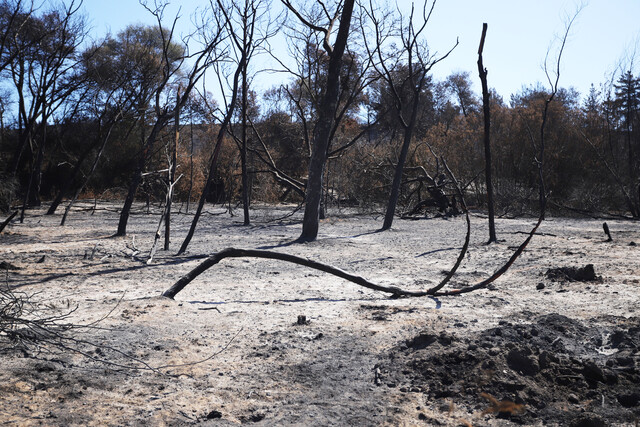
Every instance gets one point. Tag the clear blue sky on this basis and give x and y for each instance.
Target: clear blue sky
(520, 32)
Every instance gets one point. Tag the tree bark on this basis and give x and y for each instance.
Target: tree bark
(486, 108)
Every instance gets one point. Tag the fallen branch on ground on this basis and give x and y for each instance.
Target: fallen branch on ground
(393, 290)
(8, 220)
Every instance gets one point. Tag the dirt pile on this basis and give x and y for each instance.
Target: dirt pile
(559, 369)
(573, 274)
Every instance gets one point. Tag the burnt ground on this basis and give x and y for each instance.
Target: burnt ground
(266, 343)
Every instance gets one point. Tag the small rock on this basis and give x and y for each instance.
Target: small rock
(423, 340)
(214, 415)
(589, 420)
(540, 286)
(8, 266)
(578, 274)
(572, 398)
(629, 400)
(445, 339)
(302, 320)
(611, 378)
(592, 372)
(520, 360)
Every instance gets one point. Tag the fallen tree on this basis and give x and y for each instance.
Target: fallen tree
(395, 291)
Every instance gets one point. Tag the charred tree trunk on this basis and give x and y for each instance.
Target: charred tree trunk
(397, 176)
(486, 108)
(7, 221)
(243, 150)
(323, 129)
(190, 164)
(172, 177)
(213, 163)
(137, 176)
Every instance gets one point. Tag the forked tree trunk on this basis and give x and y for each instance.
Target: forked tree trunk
(322, 131)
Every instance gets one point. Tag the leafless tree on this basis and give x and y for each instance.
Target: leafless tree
(328, 106)
(486, 107)
(165, 111)
(230, 99)
(405, 70)
(250, 25)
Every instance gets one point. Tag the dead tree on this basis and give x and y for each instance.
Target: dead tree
(393, 290)
(486, 107)
(250, 26)
(202, 60)
(231, 105)
(306, 89)
(326, 112)
(553, 78)
(171, 179)
(405, 71)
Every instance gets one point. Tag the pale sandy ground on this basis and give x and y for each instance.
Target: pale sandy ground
(242, 316)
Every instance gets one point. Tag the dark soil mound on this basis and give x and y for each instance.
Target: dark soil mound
(560, 370)
(573, 274)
